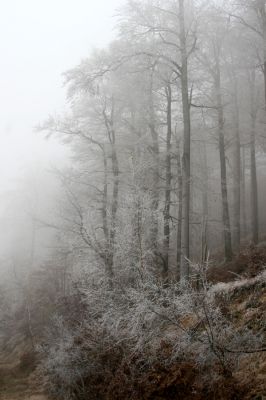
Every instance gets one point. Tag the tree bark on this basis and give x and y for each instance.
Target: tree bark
(253, 167)
(105, 193)
(179, 216)
(225, 208)
(262, 11)
(115, 171)
(155, 169)
(168, 177)
(236, 172)
(109, 124)
(254, 186)
(243, 194)
(204, 247)
(184, 267)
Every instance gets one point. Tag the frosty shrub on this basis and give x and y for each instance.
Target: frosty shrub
(64, 365)
(139, 326)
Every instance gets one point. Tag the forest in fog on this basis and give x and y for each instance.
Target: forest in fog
(127, 268)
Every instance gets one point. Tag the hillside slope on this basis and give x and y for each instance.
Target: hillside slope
(242, 299)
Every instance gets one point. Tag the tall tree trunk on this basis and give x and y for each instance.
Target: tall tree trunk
(28, 299)
(225, 207)
(155, 169)
(204, 240)
(236, 172)
(184, 267)
(254, 186)
(105, 193)
(262, 11)
(138, 192)
(115, 171)
(109, 123)
(180, 201)
(168, 177)
(243, 194)
(104, 207)
(253, 167)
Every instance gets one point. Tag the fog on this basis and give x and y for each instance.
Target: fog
(132, 199)
(39, 40)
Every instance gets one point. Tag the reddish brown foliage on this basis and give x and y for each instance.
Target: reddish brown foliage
(179, 381)
(27, 361)
(248, 263)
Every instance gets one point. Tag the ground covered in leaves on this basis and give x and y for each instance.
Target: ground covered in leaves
(240, 287)
(186, 380)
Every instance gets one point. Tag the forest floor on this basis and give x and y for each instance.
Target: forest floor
(19, 384)
(19, 379)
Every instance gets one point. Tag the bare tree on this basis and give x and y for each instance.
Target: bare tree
(253, 167)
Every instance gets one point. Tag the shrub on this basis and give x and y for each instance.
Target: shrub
(127, 331)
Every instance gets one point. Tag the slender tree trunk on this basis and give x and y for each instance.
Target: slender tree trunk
(155, 169)
(115, 170)
(180, 201)
(243, 194)
(253, 167)
(28, 299)
(168, 177)
(104, 212)
(264, 74)
(105, 194)
(254, 186)
(225, 207)
(137, 222)
(236, 172)
(109, 123)
(204, 204)
(184, 267)
(262, 11)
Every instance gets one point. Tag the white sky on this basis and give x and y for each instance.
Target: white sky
(40, 39)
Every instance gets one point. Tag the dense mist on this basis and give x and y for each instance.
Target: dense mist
(133, 172)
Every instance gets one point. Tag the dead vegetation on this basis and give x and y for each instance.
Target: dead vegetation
(248, 263)
(152, 341)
